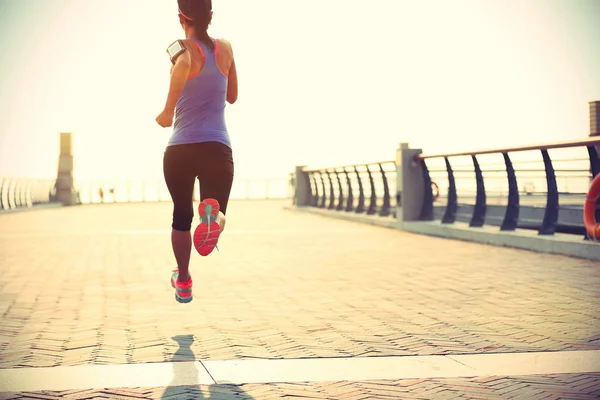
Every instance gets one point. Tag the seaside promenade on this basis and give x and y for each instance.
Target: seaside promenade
(293, 306)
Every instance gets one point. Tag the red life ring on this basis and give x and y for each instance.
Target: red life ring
(436, 192)
(589, 209)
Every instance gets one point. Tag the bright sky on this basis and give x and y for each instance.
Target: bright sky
(321, 82)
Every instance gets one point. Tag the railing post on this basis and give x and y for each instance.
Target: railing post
(350, 200)
(314, 201)
(18, 186)
(427, 207)
(22, 192)
(373, 203)
(16, 191)
(594, 161)
(2, 182)
(11, 195)
(331, 192)
(28, 196)
(410, 198)
(324, 196)
(478, 218)
(4, 194)
(452, 205)
(24, 188)
(385, 208)
(360, 208)
(340, 205)
(551, 214)
(511, 218)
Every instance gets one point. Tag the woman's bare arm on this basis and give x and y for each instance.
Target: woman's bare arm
(179, 75)
(232, 85)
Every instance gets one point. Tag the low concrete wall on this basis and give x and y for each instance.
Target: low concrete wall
(44, 206)
(563, 244)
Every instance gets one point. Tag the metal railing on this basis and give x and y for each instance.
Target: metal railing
(24, 192)
(540, 209)
(360, 188)
(129, 191)
(482, 190)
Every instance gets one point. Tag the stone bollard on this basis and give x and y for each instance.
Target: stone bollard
(65, 192)
(409, 181)
(302, 191)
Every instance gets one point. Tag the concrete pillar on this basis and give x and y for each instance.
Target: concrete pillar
(302, 195)
(409, 180)
(65, 192)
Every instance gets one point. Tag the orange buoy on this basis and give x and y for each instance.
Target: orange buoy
(436, 192)
(589, 209)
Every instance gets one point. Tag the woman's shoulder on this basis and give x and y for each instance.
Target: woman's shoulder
(225, 47)
(223, 42)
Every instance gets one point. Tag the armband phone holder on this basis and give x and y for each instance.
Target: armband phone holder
(175, 49)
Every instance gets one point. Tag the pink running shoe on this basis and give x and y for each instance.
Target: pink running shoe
(183, 290)
(207, 233)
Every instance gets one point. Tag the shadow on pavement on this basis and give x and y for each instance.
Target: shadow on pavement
(185, 370)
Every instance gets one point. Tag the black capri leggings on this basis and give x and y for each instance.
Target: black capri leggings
(211, 163)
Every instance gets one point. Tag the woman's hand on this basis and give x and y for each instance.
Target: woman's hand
(165, 118)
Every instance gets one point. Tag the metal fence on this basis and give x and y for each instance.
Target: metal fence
(361, 188)
(479, 187)
(549, 200)
(24, 192)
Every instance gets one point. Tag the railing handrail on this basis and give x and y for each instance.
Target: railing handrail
(547, 146)
(349, 166)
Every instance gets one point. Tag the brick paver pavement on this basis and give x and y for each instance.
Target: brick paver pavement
(90, 284)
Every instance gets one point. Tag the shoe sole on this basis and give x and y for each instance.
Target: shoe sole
(183, 300)
(179, 298)
(207, 233)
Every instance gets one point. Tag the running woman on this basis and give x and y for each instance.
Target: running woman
(203, 79)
